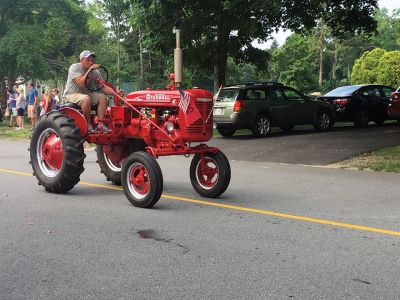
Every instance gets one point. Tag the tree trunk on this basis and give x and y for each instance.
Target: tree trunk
(321, 59)
(334, 65)
(141, 58)
(221, 54)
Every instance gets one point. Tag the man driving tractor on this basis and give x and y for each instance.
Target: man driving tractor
(76, 91)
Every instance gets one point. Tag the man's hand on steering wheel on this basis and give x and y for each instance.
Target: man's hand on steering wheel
(94, 67)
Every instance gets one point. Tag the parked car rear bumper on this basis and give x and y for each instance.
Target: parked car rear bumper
(234, 120)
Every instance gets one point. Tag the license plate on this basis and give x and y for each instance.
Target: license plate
(217, 111)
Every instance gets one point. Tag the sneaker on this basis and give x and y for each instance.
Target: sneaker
(103, 128)
(90, 128)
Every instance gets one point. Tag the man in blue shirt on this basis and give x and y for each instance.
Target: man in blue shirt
(32, 103)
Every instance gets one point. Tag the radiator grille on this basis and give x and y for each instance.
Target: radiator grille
(200, 126)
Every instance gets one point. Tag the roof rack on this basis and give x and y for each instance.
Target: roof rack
(270, 83)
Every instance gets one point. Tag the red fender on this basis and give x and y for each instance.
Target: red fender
(78, 119)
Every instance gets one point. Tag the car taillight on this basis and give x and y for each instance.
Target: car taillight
(239, 104)
(395, 96)
(341, 101)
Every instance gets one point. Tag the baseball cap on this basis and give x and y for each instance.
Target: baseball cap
(86, 54)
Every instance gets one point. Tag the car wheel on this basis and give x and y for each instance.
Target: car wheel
(323, 120)
(226, 131)
(261, 126)
(361, 119)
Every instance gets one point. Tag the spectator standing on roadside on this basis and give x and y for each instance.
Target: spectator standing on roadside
(13, 105)
(47, 102)
(56, 99)
(20, 107)
(32, 103)
(8, 109)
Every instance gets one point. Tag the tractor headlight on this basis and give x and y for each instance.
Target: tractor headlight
(169, 126)
(214, 125)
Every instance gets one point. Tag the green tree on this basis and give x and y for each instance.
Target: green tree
(389, 69)
(36, 38)
(365, 68)
(216, 30)
(388, 30)
(296, 63)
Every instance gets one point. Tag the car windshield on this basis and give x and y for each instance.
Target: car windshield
(343, 91)
(227, 95)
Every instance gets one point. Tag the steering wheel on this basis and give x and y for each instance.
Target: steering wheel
(96, 78)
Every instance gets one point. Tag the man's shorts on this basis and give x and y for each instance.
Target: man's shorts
(78, 98)
(21, 112)
(31, 111)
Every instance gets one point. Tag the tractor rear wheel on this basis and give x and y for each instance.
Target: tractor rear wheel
(142, 179)
(210, 175)
(110, 158)
(56, 152)
(109, 166)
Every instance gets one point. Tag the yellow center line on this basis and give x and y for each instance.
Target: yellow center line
(246, 209)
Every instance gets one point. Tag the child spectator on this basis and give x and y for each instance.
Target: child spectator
(47, 102)
(20, 107)
(13, 106)
(56, 99)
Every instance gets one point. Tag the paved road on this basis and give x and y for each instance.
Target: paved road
(92, 244)
(305, 146)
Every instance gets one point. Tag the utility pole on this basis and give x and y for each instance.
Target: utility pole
(119, 53)
(141, 57)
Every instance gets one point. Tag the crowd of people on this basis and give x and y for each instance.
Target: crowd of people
(18, 105)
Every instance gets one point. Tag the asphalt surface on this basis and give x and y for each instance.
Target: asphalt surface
(268, 236)
(308, 147)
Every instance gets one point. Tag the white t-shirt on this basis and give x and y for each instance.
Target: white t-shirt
(74, 71)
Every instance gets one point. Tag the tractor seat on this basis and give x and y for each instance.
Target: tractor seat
(76, 106)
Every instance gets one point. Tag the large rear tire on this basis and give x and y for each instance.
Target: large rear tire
(56, 152)
(210, 175)
(110, 158)
(142, 179)
(109, 166)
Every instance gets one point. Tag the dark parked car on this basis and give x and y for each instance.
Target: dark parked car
(360, 103)
(394, 106)
(263, 105)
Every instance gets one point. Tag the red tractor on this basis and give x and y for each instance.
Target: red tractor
(145, 125)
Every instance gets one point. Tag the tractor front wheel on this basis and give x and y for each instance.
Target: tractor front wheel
(56, 152)
(210, 174)
(142, 179)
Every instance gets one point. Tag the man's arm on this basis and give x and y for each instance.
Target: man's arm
(80, 80)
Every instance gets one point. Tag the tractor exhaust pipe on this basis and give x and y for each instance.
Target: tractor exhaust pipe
(178, 64)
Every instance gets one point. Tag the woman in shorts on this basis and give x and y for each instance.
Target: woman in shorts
(20, 108)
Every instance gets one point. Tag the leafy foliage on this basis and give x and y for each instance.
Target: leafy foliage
(365, 68)
(35, 38)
